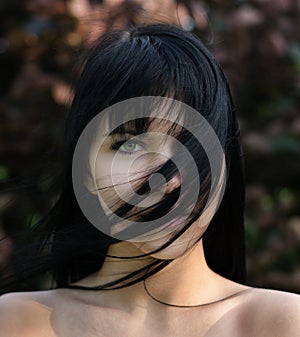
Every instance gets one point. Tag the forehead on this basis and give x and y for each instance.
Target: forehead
(164, 126)
(168, 122)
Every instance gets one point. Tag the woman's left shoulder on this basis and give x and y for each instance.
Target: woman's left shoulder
(276, 312)
(280, 299)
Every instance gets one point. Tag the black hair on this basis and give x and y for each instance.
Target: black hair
(145, 60)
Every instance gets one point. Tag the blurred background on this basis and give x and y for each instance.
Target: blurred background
(258, 45)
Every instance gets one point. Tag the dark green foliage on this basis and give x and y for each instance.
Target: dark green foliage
(258, 45)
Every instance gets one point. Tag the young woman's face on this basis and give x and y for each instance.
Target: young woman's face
(120, 166)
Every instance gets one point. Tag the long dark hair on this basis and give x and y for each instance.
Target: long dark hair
(146, 60)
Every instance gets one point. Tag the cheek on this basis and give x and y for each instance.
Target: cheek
(123, 172)
(114, 180)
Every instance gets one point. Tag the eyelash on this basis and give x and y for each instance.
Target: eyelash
(117, 144)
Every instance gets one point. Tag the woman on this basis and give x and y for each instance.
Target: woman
(146, 237)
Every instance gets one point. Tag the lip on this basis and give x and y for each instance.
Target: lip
(174, 223)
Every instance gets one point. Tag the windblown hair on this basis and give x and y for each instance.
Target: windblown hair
(145, 60)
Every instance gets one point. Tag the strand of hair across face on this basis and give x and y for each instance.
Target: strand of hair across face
(195, 305)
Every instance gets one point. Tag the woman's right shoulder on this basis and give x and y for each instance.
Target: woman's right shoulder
(26, 313)
(15, 315)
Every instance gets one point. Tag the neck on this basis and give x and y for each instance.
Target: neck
(185, 281)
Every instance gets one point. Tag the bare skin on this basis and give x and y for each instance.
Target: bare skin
(238, 311)
(131, 312)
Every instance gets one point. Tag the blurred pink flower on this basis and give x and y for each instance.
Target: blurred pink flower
(247, 16)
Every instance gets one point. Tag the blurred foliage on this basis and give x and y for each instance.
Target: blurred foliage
(258, 45)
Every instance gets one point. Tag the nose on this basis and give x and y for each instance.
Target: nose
(157, 182)
(173, 183)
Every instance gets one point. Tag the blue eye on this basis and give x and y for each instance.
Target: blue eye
(129, 147)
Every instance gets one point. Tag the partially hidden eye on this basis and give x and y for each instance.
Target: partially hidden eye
(127, 146)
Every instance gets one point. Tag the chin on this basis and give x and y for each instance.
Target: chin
(176, 249)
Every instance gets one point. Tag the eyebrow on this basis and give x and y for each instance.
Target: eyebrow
(116, 131)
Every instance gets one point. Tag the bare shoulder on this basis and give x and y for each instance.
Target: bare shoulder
(275, 313)
(24, 313)
(277, 301)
